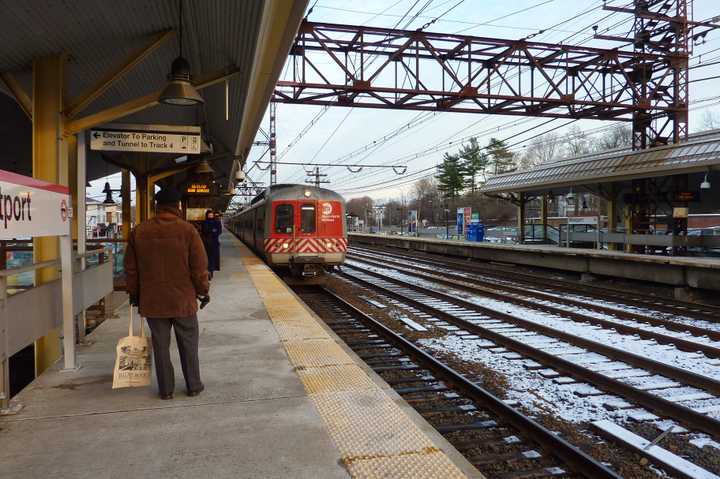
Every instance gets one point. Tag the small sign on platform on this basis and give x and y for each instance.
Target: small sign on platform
(582, 220)
(147, 139)
(31, 207)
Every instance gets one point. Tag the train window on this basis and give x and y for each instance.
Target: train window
(284, 219)
(307, 218)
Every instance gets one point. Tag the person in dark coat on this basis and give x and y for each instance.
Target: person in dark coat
(211, 229)
(166, 273)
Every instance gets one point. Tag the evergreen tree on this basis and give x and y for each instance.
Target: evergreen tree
(474, 163)
(449, 177)
(501, 158)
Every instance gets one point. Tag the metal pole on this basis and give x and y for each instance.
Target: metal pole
(67, 302)
(80, 219)
(5, 346)
(447, 225)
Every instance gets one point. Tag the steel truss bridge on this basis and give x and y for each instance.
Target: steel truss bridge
(644, 81)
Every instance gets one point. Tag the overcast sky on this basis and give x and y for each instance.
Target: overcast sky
(327, 142)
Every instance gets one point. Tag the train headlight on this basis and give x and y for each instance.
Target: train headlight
(286, 245)
(307, 193)
(328, 245)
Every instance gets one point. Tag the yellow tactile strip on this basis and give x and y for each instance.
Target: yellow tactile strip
(376, 439)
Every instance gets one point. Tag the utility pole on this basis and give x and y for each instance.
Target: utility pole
(315, 177)
(272, 143)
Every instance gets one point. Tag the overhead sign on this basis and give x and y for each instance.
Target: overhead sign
(686, 196)
(147, 139)
(583, 220)
(197, 188)
(32, 208)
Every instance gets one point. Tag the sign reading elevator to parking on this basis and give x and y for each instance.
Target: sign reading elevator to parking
(147, 139)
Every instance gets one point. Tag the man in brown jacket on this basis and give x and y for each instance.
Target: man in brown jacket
(166, 274)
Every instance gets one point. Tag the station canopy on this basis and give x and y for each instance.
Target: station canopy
(125, 49)
(699, 154)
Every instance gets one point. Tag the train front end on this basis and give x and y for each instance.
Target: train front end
(307, 231)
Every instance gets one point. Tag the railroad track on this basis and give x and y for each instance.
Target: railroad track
(519, 335)
(496, 438)
(634, 323)
(509, 275)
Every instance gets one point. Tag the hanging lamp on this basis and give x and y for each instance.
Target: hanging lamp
(180, 90)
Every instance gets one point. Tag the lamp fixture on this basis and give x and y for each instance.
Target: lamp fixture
(203, 168)
(180, 90)
(705, 185)
(108, 194)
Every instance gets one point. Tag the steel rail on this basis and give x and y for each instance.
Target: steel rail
(575, 458)
(705, 312)
(649, 401)
(641, 318)
(463, 283)
(636, 360)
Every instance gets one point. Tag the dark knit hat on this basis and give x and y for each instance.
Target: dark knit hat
(167, 196)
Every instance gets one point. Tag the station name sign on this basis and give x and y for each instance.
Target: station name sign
(32, 208)
(145, 140)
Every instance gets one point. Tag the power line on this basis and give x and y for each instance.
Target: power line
(485, 147)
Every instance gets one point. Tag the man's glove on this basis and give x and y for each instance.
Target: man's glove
(134, 300)
(204, 300)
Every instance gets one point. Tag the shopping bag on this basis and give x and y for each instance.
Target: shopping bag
(133, 359)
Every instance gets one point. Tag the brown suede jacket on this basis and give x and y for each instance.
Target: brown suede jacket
(166, 266)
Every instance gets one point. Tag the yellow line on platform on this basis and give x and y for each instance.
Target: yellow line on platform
(375, 438)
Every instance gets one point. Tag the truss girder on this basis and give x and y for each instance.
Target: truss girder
(359, 66)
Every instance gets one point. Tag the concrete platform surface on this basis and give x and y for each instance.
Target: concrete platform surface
(258, 418)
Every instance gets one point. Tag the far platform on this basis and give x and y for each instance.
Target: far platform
(683, 272)
(284, 398)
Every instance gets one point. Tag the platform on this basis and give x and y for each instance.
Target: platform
(284, 398)
(690, 272)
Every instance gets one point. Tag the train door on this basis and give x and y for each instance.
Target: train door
(306, 220)
(283, 226)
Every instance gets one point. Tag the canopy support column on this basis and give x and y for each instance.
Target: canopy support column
(544, 216)
(126, 212)
(521, 218)
(46, 154)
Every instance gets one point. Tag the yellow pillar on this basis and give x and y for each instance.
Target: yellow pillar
(48, 165)
(544, 215)
(141, 200)
(612, 220)
(628, 218)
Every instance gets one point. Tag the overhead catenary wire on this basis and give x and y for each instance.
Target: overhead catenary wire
(393, 183)
(568, 21)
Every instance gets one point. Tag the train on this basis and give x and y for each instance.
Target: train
(296, 228)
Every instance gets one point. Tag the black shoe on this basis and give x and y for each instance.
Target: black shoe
(165, 397)
(196, 392)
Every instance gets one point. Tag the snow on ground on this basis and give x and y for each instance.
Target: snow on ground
(667, 354)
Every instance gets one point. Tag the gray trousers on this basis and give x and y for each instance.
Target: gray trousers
(187, 335)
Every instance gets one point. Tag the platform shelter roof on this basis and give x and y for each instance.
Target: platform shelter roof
(117, 56)
(700, 153)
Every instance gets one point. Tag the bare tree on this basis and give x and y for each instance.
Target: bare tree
(710, 120)
(541, 150)
(359, 206)
(576, 142)
(618, 136)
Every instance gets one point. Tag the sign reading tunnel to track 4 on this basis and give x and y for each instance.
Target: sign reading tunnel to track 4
(148, 141)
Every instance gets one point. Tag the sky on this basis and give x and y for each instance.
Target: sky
(422, 139)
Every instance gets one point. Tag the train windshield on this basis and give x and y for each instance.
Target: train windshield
(284, 219)
(307, 218)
